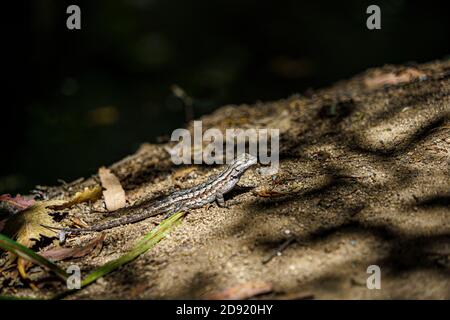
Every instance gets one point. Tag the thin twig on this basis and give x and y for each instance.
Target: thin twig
(279, 250)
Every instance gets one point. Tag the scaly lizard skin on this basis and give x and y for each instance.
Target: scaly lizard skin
(207, 192)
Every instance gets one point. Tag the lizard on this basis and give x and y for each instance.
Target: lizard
(204, 193)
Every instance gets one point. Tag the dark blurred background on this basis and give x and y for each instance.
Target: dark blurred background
(86, 98)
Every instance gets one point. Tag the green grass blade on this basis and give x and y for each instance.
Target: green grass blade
(144, 244)
(149, 241)
(28, 254)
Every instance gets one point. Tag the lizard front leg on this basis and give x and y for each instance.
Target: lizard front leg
(220, 201)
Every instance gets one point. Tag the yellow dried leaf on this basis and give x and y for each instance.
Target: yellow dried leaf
(265, 193)
(183, 172)
(88, 194)
(390, 78)
(27, 226)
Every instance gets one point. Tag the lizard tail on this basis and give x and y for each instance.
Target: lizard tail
(99, 227)
(70, 230)
(64, 231)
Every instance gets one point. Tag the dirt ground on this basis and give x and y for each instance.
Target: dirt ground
(364, 180)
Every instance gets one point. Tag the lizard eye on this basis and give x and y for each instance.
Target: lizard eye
(235, 173)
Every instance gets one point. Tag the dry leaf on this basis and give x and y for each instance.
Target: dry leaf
(60, 253)
(242, 291)
(26, 226)
(88, 194)
(390, 78)
(269, 193)
(114, 194)
(15, 204)
(78, 222)
(183, 172)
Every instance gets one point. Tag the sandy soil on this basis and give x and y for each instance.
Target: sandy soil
(364, 180)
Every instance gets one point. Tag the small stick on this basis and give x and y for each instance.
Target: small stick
(279, 250)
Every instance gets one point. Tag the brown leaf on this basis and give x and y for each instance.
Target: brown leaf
(15, 204)
(265, 193)
(78, 222)
(88, 194)
(59, 253)
(243, 291)
(389, 78)
(27, 226)
(183, 172)
(114, 194)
